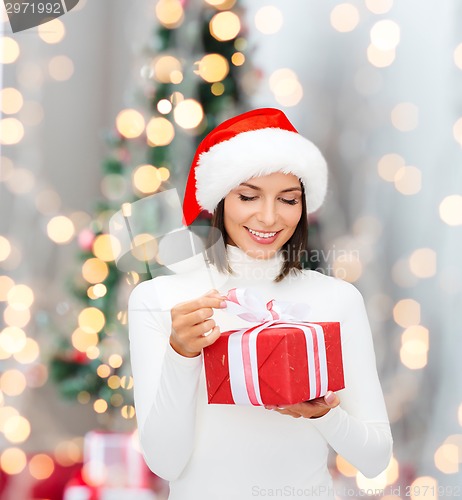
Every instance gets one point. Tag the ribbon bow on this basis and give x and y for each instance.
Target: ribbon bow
(250, 306)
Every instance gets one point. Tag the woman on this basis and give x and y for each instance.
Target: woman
(260, 179)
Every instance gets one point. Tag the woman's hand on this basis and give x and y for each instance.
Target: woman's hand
(192, 328)
(309, 409)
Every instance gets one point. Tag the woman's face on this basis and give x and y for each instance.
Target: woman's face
(271, 206)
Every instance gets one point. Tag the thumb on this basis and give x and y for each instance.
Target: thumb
(331, 399)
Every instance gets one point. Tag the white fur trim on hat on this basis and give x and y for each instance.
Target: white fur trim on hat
(256, 153)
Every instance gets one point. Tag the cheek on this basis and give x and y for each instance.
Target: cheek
(292, 217)
(236, 212)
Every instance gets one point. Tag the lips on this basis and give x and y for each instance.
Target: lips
(262, 236)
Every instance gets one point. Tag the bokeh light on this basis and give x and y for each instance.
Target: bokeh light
(12, 382)
(170, 13)
(13, 461)
(106, 247)
(385, 35)
(347, 266)
(41, 466)
(13, 317)
(379, 6)
(389, 165)
(344, 17)
(286, 87)
(91, 320)
(52, 32)
(225, 26)
(5, 248)
(217, 88)
(414, 347)
(408, 180)
(424, 487)
(11, 100)
(61, 68)
(159, 131)
(11, 131)
(447, 458)
(268, 20)
(113, 382)
(60, 229)
(9, 50)
(146, 179)
(100, 406)
(130, 123)
(6, 283)
(458, 56)
(164, 173)
(126, 382)
(67, 453)
(115, 360)
(380, 58)
(167, 69)
(450, 210)
(405, 116)
(16, 429)
(407, 313)
(29, 353)
(457, 131)
(422, 262)
(20, 297)
(21, 181)
(128, 411)
(95, 270)
(82, 340)
(221, 4)
(213, 68)
(12, 339)
(164, 106)
(188, 114)
(103, 371)
(238, 59)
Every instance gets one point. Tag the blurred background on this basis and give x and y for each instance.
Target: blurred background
(105, 105)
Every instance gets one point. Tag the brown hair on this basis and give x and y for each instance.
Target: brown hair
(292, 250)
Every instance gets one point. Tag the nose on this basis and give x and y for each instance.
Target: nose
(267, 213)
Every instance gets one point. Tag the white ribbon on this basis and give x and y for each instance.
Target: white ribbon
(242, 344)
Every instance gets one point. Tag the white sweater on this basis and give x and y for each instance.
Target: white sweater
(221, 452)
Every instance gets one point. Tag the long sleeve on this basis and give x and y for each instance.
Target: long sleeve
(358, 429)
(165, 386)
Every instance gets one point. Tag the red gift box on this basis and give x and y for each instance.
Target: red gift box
(276, 362)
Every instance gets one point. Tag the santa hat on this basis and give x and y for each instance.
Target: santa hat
(253, 144)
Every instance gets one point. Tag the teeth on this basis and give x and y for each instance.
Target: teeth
(261, 235)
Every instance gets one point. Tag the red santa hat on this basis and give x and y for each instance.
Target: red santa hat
(253, 144)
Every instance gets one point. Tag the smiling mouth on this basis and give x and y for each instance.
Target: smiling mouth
(262, 234)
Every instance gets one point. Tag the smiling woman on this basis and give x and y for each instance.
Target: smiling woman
(262, 213)
(262, 219)
(260, 179)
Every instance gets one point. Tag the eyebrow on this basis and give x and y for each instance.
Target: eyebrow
(295, 188)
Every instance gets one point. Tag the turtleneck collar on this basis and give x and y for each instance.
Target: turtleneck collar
(252, 269)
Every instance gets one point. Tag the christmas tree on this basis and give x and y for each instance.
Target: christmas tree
(191, 81)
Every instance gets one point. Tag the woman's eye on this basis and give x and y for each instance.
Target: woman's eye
(290, 202)
(246, 198)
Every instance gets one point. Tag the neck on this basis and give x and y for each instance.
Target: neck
(253, 269)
